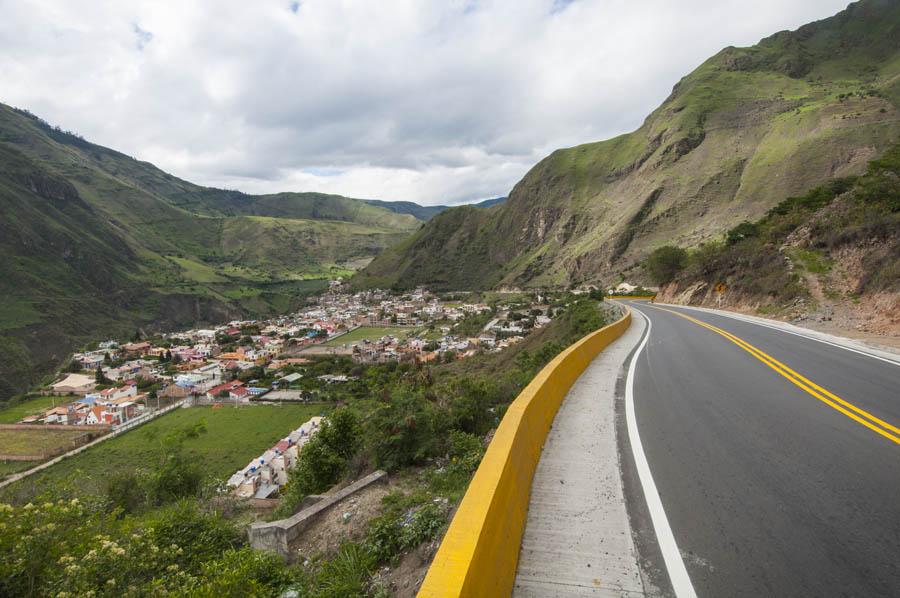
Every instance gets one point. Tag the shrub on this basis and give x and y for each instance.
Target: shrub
(404, 431)
(665, 263)
(126, 491)
(323, 460)
(423, 525)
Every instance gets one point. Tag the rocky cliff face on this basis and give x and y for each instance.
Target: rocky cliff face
(746, 129)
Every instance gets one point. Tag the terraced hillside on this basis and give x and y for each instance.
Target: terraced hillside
(746, 129)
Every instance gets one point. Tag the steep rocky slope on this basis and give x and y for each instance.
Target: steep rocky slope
(746, 129)
(829, 258)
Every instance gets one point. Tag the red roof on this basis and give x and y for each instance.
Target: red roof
(229, 386)
(282, 446)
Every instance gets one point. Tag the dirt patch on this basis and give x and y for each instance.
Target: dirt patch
(346, 520)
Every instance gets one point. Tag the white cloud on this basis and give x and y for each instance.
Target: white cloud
(433, 102)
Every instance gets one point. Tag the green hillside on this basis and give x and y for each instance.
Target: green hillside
(95, 243)
(831, 255)
(747, 128)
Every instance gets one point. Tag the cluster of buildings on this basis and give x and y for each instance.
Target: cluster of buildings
(264, 475)
(209, 364)
(111, 406)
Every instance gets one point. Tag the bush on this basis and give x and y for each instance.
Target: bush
(471, 402)
(424, 525)
(323, 460)
(126, 491)
(404, 431)
(665, 263)
(347, 575)
(742, 231)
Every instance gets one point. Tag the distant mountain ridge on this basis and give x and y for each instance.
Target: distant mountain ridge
(746, 129)
(93, 242)
(426, 213)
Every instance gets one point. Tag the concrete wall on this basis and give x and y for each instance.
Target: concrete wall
(276, 536)
(480, 551)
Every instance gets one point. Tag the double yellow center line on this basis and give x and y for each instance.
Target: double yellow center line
(861, 416)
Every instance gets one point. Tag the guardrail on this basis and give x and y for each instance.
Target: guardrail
(480, 551)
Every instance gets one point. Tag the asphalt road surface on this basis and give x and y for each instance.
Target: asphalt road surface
(776, 457)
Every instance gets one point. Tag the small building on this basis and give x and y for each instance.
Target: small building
(74, 384)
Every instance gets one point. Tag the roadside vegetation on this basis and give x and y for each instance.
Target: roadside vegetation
(157, 521)
(767, 259)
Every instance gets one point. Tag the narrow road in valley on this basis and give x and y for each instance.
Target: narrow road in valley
(775, 459)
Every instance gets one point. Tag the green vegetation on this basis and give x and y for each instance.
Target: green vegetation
(665, 262)
(757, 261)
(746, 129)
(233, 437)
(370, 333)
(13, 412)
(94, 243)
(145, 516)
(39, 442)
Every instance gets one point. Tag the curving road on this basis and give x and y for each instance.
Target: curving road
(776, 459)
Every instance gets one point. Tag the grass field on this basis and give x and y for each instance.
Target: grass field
(15, 413)
(37, 442)
(234, 436)
(369, 333)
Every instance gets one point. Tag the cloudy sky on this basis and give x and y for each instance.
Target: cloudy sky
(435, 101)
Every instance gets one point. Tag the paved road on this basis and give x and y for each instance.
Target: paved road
(773, 485)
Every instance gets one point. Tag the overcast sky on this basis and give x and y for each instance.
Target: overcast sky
(440, 101)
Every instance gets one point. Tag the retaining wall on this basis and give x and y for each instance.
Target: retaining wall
(276, 536)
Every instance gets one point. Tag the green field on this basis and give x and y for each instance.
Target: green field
(371, 333)
(15, 413)
(38, 441)
(234, 436)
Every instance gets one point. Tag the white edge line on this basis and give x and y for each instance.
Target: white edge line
(748, 320)
(678, 575)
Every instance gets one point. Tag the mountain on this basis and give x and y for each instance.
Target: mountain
(830, 258)
(426, 212)
(748, 128)
(93, 242)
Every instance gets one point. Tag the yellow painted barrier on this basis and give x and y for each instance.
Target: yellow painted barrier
(646, 297)
(479, 553)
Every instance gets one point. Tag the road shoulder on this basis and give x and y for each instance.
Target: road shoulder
(578, 538)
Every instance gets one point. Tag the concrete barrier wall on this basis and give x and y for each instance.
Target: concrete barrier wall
(479, 553)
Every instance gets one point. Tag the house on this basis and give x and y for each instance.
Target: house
(488, 339)
(174, 391)
(57, 415)
(623, 289)
(74, 384)
(136, 348)
(223, 389)
(291, 378)
(240, 393)
(111, 394)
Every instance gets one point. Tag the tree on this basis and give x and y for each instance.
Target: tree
(99, 376)
(666, 262)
